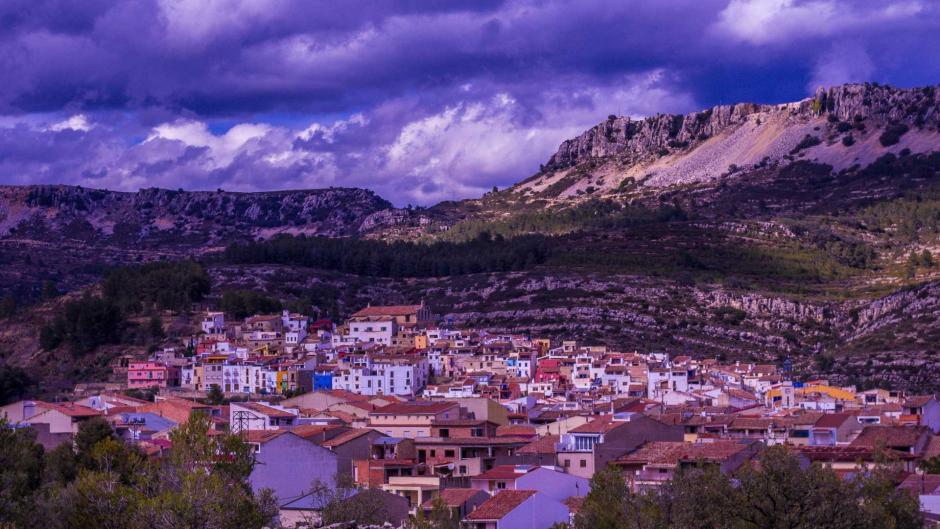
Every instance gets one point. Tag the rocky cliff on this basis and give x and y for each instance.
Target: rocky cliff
(841, 127)
(161, 217)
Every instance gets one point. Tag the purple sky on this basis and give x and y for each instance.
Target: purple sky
(421, 101)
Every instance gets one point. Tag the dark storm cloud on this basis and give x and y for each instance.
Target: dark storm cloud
(419, 100)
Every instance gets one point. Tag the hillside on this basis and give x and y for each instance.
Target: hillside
(747, 231)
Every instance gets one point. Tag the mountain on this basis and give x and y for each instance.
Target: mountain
(842, 127)
(805, 231)
(162, 217)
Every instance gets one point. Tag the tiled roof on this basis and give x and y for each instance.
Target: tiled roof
(933, 447)
(69, 408)
(388, 310)
(521, 430)
(416, 408)
(890, 436)
(832, 420)
(346, 437)
(921, 483)
(261, 436)
(601, 424)
(542, 445)
(505, 472)
(308, 431)
(267, 410)
(673, 452)
(917, 401)
(500, 505)
(454, 497)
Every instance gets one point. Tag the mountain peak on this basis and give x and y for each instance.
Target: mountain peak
(841, 126)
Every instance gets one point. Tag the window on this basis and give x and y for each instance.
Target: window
(500, 485)
(583, 463)
(567, 463)
(448, 453)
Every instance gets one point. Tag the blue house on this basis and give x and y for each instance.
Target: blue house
(323, 380)
(289, 465)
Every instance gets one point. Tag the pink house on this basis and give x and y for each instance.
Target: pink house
(146, 374)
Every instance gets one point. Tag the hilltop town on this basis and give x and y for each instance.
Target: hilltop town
(497, 427)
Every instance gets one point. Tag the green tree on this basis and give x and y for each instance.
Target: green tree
(90, 433)
(215, 395)
(700, 498)
(344, 501)
(202, 483)
(14, 383)
(440, 517)
(21, 464)
(605, 505)
(926, 258)
(156, 327)
(780, 493)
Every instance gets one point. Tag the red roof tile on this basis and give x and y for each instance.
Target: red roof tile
(500, 505)
(454, 497)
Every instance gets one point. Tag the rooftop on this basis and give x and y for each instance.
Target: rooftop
(500, 505)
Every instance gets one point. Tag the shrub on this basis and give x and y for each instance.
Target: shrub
(807, 142)
(892, 134)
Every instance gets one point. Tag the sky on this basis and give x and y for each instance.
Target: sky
(418, 100)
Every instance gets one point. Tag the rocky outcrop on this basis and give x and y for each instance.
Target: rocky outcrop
(168, 217)
(624, 136)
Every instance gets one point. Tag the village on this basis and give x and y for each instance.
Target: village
(506, 429)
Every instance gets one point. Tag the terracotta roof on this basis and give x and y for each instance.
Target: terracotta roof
(903, 437)
(917, 401)
(267, 410)
(415, 408)
(261, 436)
(848, 454)
(933, 447)
(505, 472)
(454, 497)
(601, 424)
(832, 420)
(500, 505)
(346, 437)
(69, 408)
(388, 310)
(921, 483)
(542, 445)
(312, 430)
(673, 452)
(521, 430)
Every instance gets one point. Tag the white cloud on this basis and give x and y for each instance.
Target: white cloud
(78, 122)
(845, 62)
(774, 21)
(223, 148)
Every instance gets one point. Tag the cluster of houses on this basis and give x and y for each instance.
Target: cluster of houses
(506, 430)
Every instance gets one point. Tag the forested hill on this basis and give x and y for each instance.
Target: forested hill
(162, 217)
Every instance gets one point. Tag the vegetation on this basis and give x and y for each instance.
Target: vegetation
(807, 142)
(91, 321)
(172, 285)
(399, 259)
(105, 483)
(778, 492)
(83, 325)
(14, 383)
(242, 303)
(892, 134)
